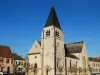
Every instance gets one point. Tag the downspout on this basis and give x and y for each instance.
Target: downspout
(65, 66)
(54, 53)
(42, 52)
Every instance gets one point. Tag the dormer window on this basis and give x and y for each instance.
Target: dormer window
(57, 34)
(47, 33)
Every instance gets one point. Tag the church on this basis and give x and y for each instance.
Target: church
(51, 56)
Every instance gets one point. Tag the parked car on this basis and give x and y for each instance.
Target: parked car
(95, 74)
(1, 73)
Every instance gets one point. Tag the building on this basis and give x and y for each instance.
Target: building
(51, 56)
(6, 59)
(19, 64)
(94, 64)
(76, 58)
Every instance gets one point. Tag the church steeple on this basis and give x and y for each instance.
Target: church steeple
(52, 19)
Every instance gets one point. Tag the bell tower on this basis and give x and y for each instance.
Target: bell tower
(52, 45)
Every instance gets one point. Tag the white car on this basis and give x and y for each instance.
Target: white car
(1, 73)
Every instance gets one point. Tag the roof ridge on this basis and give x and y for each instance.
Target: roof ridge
(17, 57)
(39, 41)
(75, 42)
(4, 46)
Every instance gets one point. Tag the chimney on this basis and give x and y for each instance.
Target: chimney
(99, 57)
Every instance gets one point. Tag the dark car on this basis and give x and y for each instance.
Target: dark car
(95, 74)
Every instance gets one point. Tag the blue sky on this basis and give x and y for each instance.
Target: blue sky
(21, 22)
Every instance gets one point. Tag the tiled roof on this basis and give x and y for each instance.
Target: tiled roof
(17, 57)
(94, 59)
(52, 19)
(5, 51)
(75, 47)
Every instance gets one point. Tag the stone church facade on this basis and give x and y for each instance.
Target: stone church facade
(51, 56)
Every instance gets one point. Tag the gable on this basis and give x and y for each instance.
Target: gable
(35, 48)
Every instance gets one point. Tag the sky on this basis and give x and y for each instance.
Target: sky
(22, 21)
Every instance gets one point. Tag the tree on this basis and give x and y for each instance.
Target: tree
(79, 70)
(90, 69)
(15, 68)
(73, 69)
(48, 68)
(34, 68)
(27, 67)
(60, 69)
(85, 70)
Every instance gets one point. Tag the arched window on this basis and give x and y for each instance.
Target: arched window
(57, 33)
(35, 69)
(47, 33)
(35, 65)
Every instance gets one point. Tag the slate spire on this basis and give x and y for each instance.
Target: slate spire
(52, 19)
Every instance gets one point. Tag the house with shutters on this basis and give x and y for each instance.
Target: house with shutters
(19, 64)
(51, 56)
(6, 59)
(94, 64)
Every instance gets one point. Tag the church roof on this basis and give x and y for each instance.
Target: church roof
(75, 47)
(52, 19)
